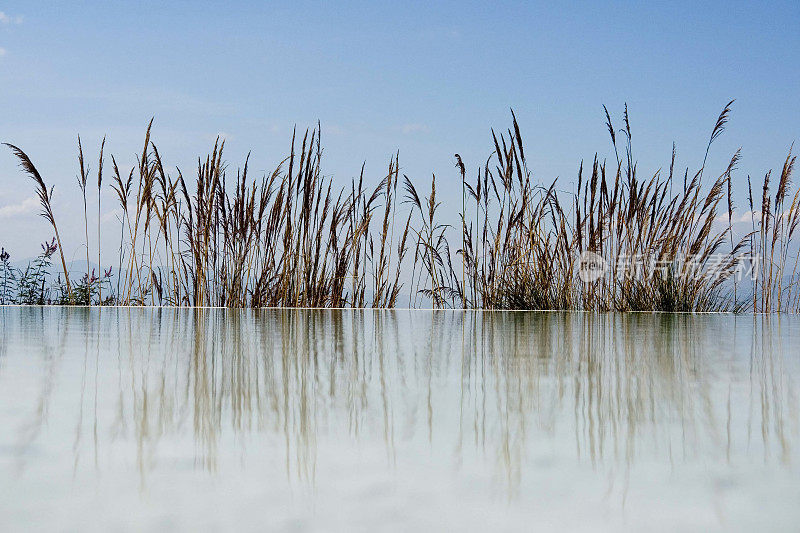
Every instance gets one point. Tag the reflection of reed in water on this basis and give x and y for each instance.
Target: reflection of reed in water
(46, 346)
(611, 387)
(287, 372)
(661, 383)
(772, 391)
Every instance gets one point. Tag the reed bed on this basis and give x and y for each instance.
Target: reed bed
(286, 239)
(289, 238)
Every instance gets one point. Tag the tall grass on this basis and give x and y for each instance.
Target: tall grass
(774, 225)
(285, 239)
(661, 237)
(290, 238)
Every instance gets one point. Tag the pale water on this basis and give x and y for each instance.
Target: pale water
(147, 419)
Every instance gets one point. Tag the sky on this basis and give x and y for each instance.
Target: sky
(425, 80)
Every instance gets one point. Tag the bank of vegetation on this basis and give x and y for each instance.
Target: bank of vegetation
(290, 238)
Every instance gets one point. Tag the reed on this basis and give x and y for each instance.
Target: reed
(774, 225)
(286, 239)
(82, 182)
(99, 218)
(45, 200)
(8, 279)
(663, 251)
(290, 238)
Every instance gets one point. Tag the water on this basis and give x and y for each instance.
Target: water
(131, 419)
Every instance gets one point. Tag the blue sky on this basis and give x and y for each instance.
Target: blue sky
(426, 80)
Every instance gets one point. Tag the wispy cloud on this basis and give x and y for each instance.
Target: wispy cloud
(8, 19)
(746, 217)
(28, 205)
(3, 51)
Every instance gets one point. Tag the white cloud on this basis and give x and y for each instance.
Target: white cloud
(28, 205)
(3, 52)
(750, 216)
(746, 217)
(8, 19)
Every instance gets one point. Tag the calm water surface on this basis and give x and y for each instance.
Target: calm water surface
(147, 419)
